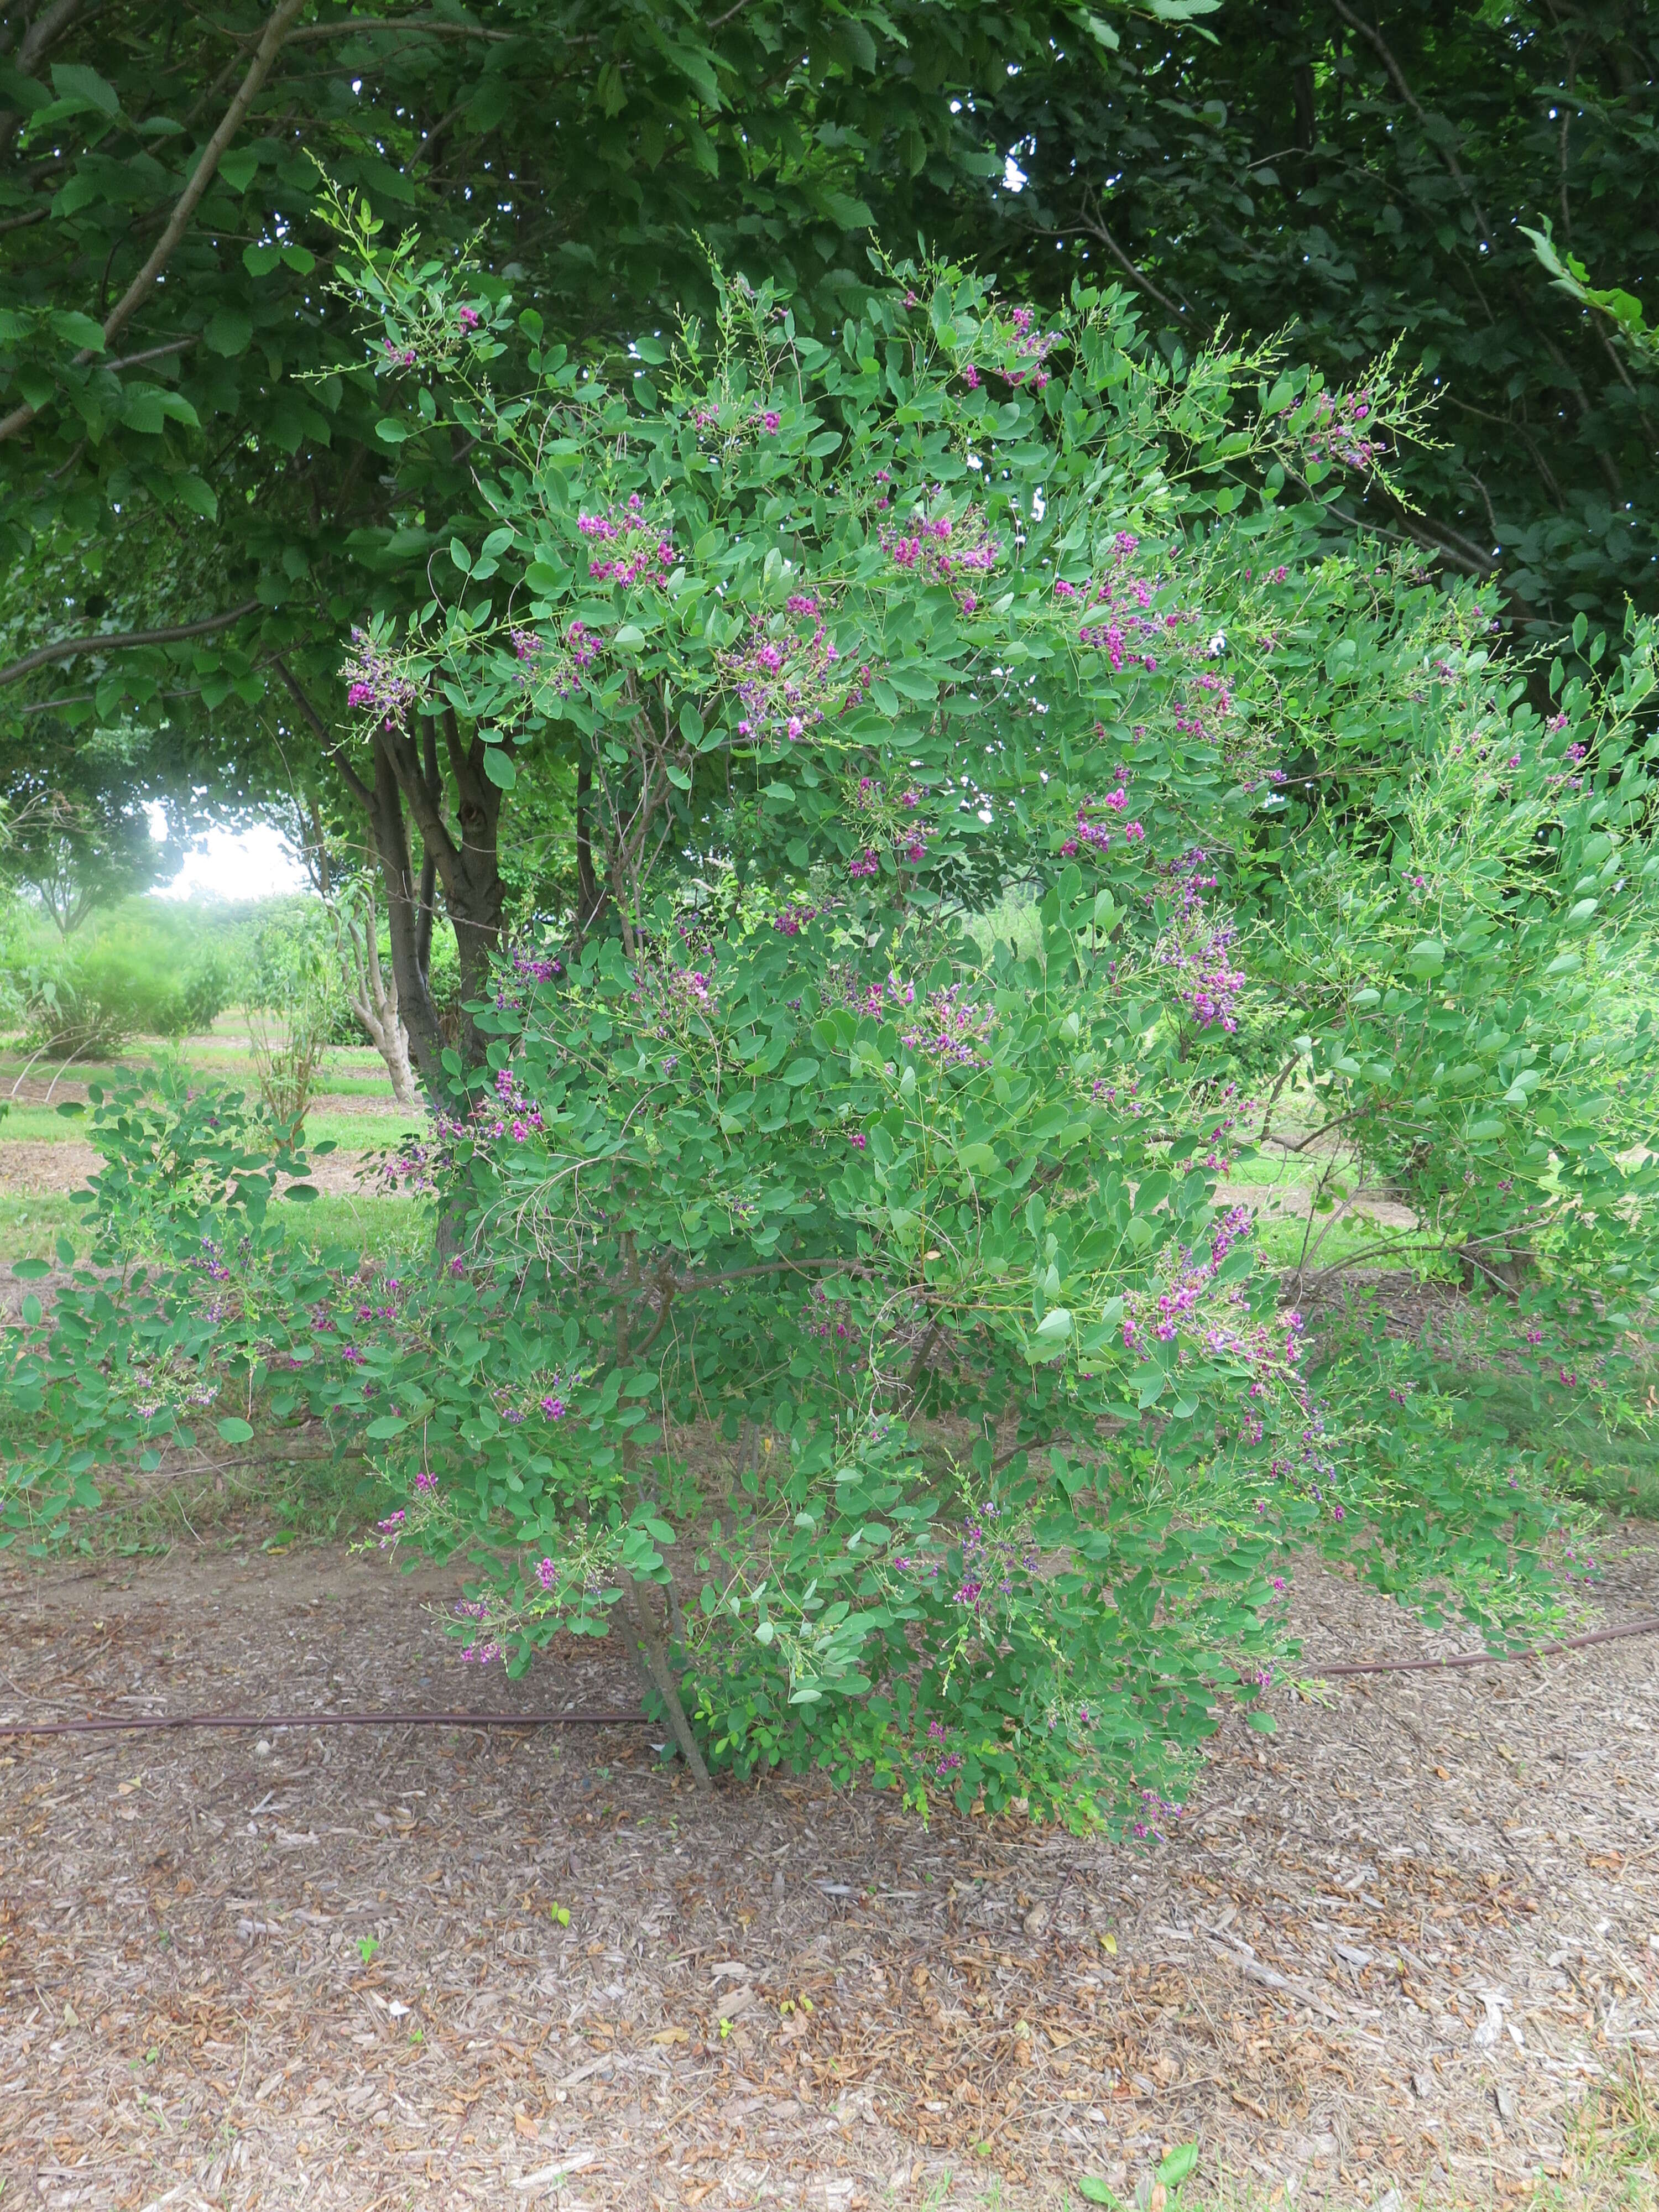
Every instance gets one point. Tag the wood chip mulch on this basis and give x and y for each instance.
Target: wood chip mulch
(1391, 1948)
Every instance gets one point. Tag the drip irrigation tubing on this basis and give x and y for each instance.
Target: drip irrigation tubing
(1492, 1658)
(298, 1721)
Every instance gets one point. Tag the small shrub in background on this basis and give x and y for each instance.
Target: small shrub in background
(290, 959)
(286, 1059)
(134, 972)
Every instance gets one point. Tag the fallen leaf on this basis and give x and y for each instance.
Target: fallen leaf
(671, 2035)
(525, 2125)
(1109, 1945)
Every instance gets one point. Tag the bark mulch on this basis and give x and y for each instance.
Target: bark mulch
(1390, 1949)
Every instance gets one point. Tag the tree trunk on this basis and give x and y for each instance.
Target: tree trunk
(372, 990)
(404, 922)
(464, 863)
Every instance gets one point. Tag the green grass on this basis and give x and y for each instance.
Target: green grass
(352, 1132)
(391, 1229)
(271, 1500)
(1611, 2164)
(1613, 1463)
(28, 1226)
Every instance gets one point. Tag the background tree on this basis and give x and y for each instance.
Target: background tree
(172, 421)
(1357, 172)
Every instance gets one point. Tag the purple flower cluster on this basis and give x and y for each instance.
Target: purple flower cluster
(1096, 835)
(1200, 950)
(508, 1109)
(1025, 349)
(644, 550)
(827, 1321)
(950, 1029)
(485, 1650)
(374, 682)
(1190, 719)
(945, 549)
(1340, 430)
(909, 839)
(789, 680)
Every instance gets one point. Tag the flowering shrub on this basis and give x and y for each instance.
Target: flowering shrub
(846, 1312)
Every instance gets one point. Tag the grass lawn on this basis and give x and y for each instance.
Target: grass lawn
(391, 1230)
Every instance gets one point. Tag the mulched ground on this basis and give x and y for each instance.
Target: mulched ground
(41, 1167)
(331, 1968)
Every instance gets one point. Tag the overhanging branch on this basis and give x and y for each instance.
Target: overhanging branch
(125, 641)
(281, 22)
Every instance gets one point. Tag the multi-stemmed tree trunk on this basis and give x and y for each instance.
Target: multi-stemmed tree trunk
(371, 989)
(459, 822)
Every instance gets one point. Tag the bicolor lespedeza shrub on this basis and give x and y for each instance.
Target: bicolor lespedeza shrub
(1002, 816)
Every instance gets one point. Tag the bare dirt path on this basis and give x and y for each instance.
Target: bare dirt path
(332, 1967)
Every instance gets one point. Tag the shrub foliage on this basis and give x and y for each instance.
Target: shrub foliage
(997, 826)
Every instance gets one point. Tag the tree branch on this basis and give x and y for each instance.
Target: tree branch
(275, 31)
(46, 30)
(427, 26)
(1096, 228)
(406, 762)
(67, 647)
(332, 752)
(1397, 78)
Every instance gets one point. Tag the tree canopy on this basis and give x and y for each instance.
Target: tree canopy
(1359, 174)
(200, 501)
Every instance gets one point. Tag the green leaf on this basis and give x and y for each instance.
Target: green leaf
(73, 81)
(390, 433)
(1178, 2165)
(913, 683)
(384, 1426)
(799, 1071)
(229, 332)
(1427, 957)
(78, 330)
(1093, 2191)
(195, 495)
(235, 1430)
(499, 767)
(33, 1310)
(30, 1271)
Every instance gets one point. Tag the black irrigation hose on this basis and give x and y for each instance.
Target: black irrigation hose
(275, 1721)
(1495, 1658)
